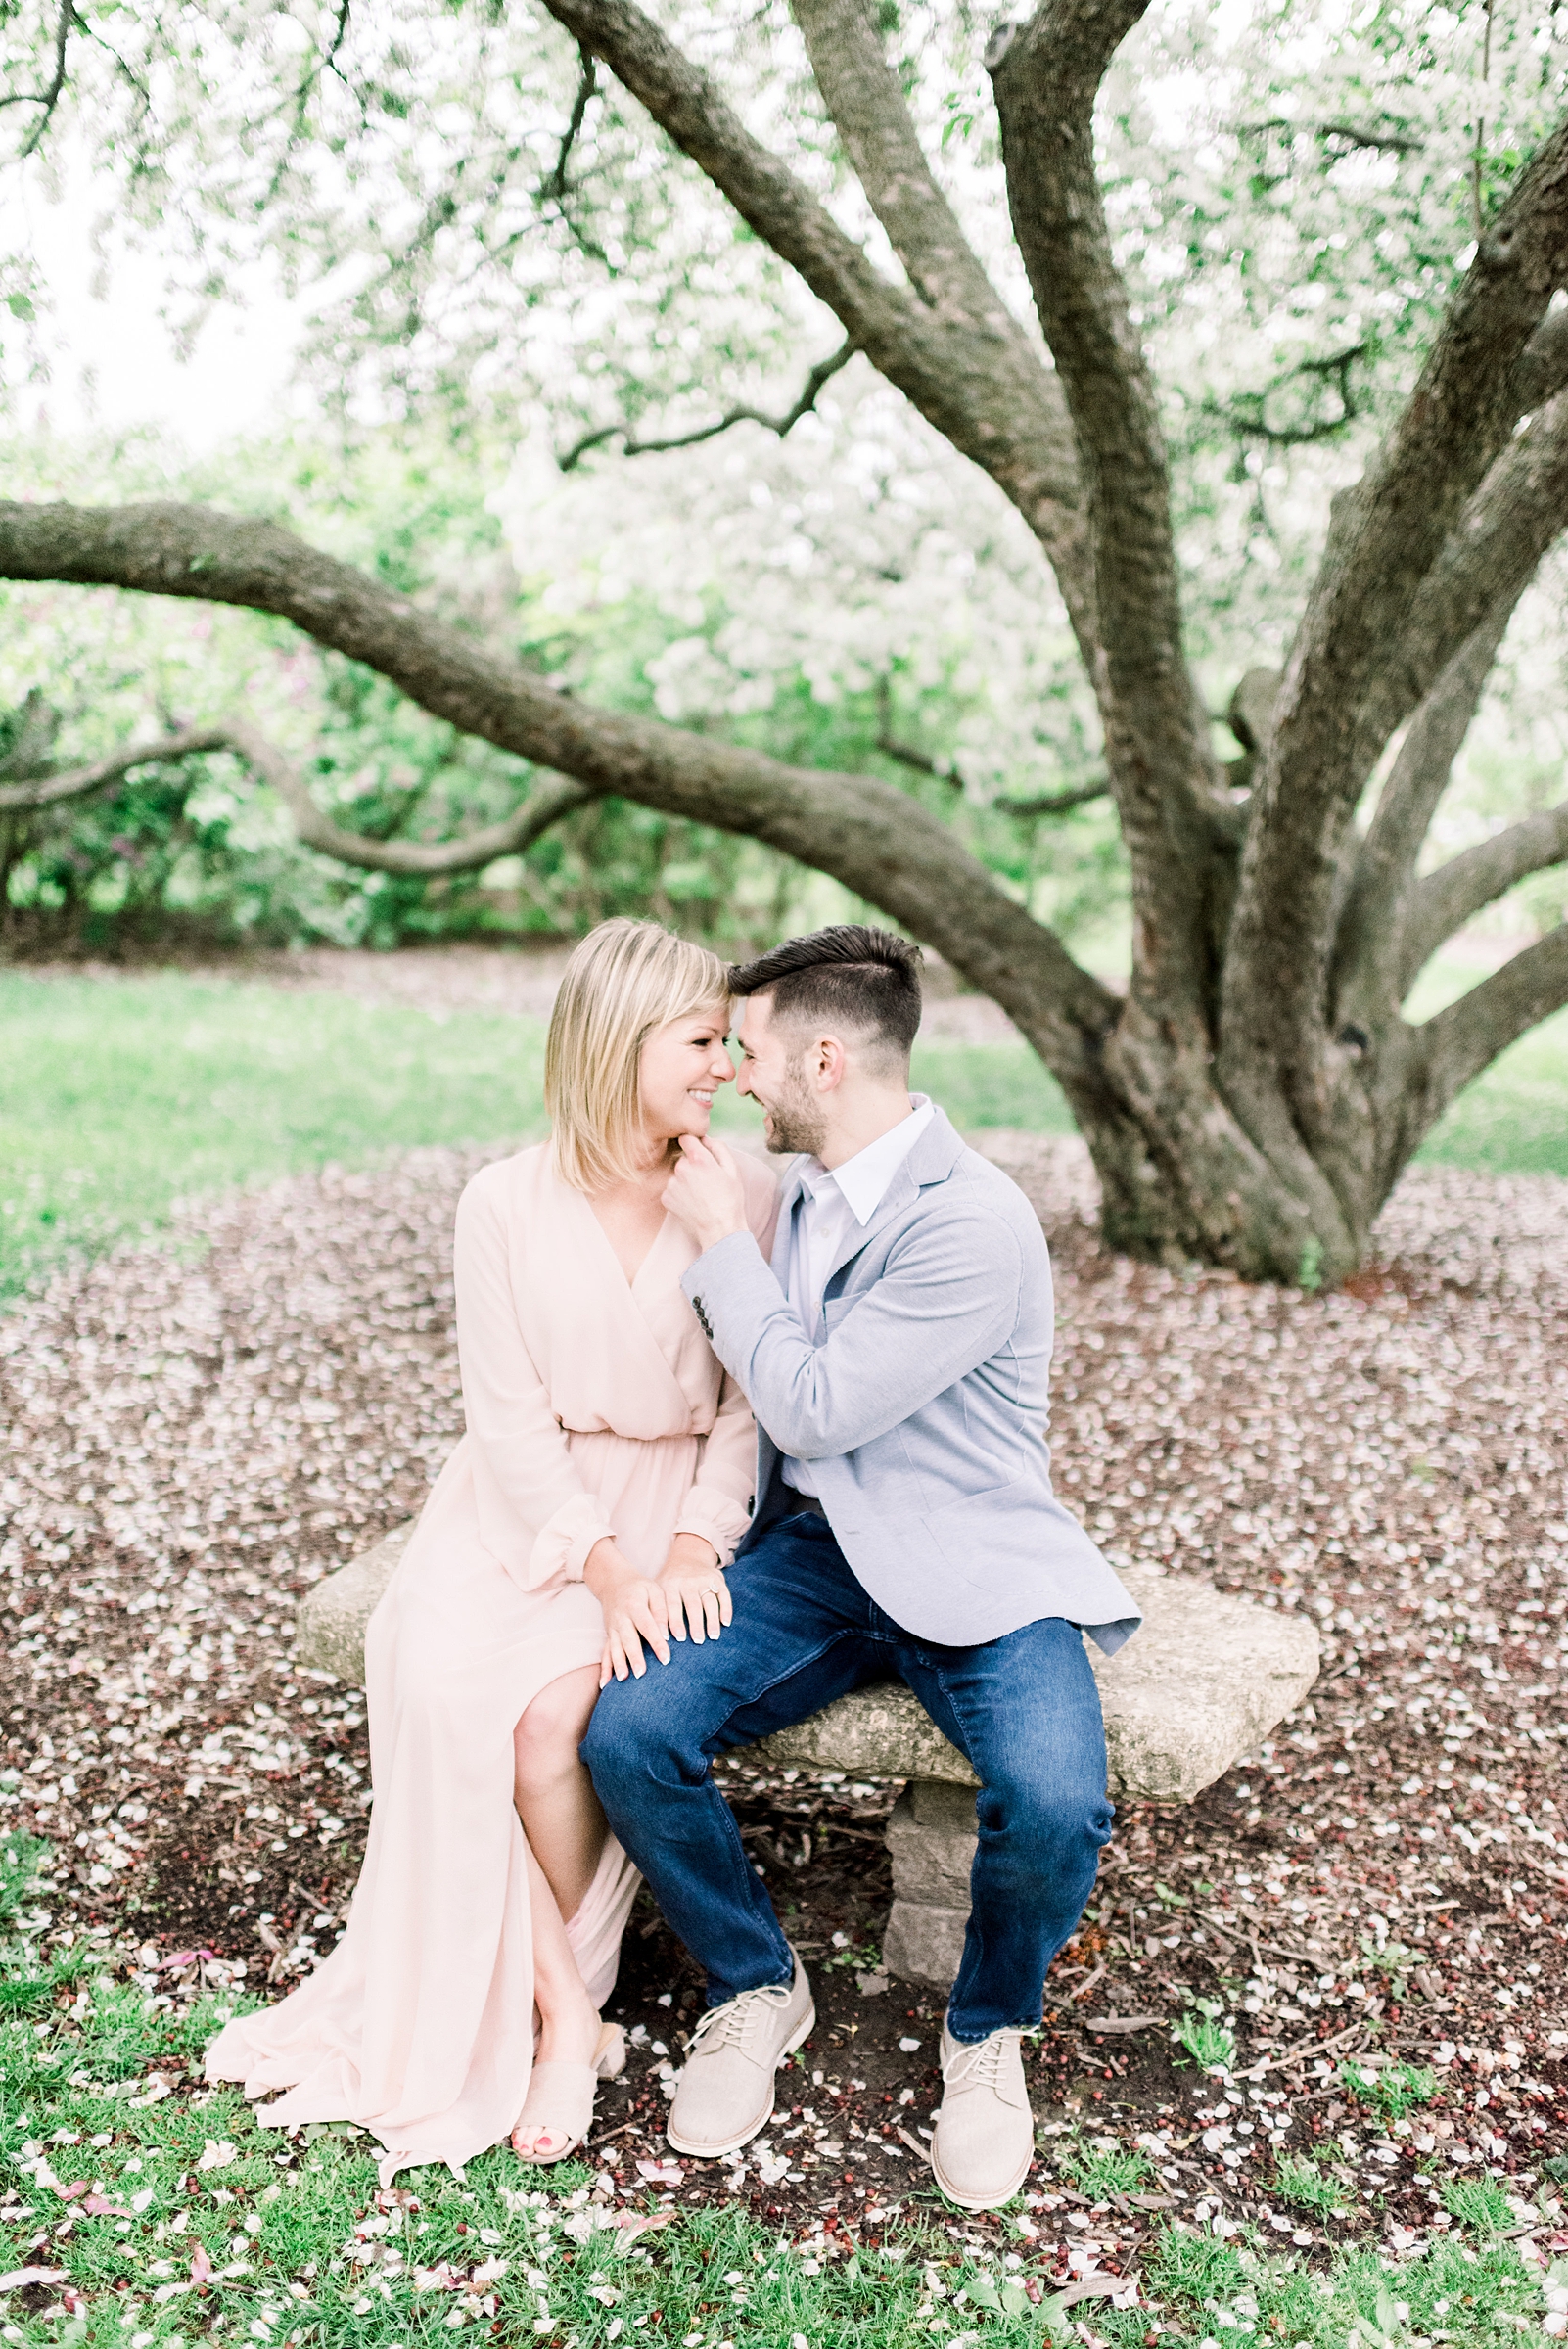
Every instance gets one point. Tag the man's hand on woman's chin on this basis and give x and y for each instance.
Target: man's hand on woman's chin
(705, 1192)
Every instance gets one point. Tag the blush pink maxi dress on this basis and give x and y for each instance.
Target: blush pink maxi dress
(593, 1406)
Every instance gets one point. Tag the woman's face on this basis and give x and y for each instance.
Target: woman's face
(683, 1065)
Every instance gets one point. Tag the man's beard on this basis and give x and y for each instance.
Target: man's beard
(797, 1120)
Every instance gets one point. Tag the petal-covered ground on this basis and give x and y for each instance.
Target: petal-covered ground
(195, 1434)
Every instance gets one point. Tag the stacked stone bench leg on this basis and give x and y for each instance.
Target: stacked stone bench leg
(1203, 1683)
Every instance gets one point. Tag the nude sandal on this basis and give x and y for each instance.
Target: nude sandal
(559, 2098)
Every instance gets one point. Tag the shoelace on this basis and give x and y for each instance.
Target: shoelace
(984, 2068)
(727, 2026)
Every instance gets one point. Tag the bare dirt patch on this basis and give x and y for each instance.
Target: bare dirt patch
(193, 1434)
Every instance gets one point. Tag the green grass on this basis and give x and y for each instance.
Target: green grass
(1102, 2171)
(1513, 1120)
(991, 1085)
(1206, 2039)
(159, 2215)
(119, 1096)
(1298, 2179)
(1399, 2089)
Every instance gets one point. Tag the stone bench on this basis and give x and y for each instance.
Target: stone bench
(1203, 1682)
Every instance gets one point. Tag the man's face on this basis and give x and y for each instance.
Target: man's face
(773, 1071)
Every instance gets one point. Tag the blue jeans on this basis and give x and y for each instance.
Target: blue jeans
(1024, 1709)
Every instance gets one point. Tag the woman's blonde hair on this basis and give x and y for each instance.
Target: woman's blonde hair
(623, 981)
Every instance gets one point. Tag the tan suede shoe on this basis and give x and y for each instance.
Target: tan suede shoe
(725, 2093)
(984, 2137)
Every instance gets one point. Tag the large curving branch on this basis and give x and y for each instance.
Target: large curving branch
(1518, 511)
(1542, 368)
(426, 860)
(1370, 960)
(867, 833)
(1047, 75)
(1459, 1043)
(1445, 899)
(971, 384)
(1333, 712)
(48, 791)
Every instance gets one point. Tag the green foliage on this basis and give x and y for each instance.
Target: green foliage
(203, 843)
(1395, 2090)
(1204, 2038)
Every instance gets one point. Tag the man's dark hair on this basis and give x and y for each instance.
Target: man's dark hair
(851, 976)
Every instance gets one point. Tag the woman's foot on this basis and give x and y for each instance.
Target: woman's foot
(576, 2052)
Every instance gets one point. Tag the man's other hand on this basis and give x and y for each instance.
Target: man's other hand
(695, 1591)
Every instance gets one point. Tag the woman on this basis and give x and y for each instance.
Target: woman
(604, 1480)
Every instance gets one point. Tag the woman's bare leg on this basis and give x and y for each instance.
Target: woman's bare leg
(554, 1794)
(569, 2017)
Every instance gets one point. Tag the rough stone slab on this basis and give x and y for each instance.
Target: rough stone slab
(333, 1614)
(1203, 1682)
(924, 1944)
(932, 1840)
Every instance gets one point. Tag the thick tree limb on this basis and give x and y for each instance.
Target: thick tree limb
(1543, 369)
(1369, 981)
(1162, 770)
(425, 859)
(1459, 1043)
(1518, 511)
(866, 103)
(967, 383)
(1445, 900)
(822, 373)
(868, 834)
(1331, 718)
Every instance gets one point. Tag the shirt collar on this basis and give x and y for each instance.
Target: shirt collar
(862, 1181)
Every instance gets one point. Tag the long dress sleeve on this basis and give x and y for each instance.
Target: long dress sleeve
(536, 1516)
(724, 1492)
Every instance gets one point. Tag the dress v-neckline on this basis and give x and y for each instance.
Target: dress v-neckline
(648, 1252)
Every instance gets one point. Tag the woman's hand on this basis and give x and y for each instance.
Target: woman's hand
(635, 1610)
(695, 1591)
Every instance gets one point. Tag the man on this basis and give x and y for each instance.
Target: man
(896, 1356)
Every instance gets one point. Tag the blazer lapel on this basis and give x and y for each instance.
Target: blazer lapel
(931, 1160)
(784, 1228)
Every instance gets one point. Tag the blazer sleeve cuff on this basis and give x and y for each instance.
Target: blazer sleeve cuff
(732, 1291)
(715, 1517)
(562, 1542)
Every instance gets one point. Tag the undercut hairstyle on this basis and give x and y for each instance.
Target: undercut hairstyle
(866, 982)
(623, 980)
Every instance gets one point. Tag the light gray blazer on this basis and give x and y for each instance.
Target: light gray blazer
(920, 1402)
